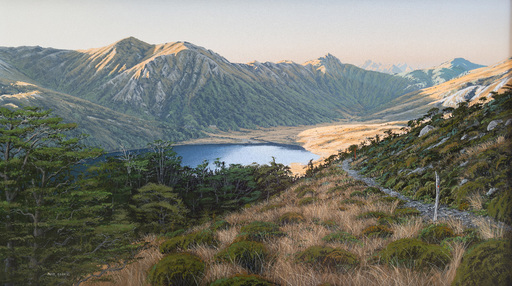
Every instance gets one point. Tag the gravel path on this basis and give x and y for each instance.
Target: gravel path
(427, 210)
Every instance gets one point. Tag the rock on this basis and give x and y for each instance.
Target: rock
(464, 137)
(493, 124)
(491, 192)
(508, 122)
(439, 143)
(463, 163)
(463, 182)
(426, 130)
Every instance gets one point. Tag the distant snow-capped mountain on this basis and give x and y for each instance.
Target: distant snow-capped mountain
(386, 68)
(444, 72)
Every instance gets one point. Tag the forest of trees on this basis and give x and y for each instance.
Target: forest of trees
(66, 210)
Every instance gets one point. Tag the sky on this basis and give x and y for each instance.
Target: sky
(422, 33)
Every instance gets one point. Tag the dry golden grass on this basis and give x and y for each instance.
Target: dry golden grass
(475, 201)
(282, 267)
(134, 274)
(410, 229)
(488, 229)
(472, 152)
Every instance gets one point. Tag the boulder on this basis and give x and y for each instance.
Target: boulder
(493, 124)
(426, 130)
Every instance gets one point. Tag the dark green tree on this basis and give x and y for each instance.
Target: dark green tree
(51, 231)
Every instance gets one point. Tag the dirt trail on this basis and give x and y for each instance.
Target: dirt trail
(427, 210)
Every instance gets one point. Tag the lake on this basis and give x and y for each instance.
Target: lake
(244, 154)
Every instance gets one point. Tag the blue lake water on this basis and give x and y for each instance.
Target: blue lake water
(244, 154)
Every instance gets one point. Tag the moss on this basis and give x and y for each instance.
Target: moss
(488, 263)
(185, 241)
(306, 201)
(177, 269)
(377, 231)
(414, 253)
(291, 217)
(435, 233)
(248, 254)
(340, 236)
(324, 256)
(500, 207)
(259, 230)
(404, 212)
(372, 214)
(243, 280)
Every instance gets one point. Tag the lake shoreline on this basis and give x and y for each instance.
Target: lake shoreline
(324, 139)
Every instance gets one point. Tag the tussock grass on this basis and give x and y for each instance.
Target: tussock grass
(282, 267)
(488, 229)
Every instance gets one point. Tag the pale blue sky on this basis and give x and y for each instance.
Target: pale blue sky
(421, 33)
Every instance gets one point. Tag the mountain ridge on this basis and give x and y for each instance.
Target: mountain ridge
(192, 88)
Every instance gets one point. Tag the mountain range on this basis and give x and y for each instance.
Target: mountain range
(386, 68)
(131, 92)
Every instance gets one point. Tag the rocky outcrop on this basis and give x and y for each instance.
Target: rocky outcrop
(426, 130)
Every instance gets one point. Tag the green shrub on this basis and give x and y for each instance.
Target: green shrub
(291, 217)
(219, 225)
(373, 190)
(305, 192)
(185, 241)
(248, 254)
(259, 230)
(336, 189)
(488, 263)
(329, 224)
(435, 233)
(358, 194)
(377, 231)
(177, 269)
(372, 214)
(174, 233)
(500, 207)
(173, 244)
(243, 280)
(340, 236)
(302, 188)
(414, 253)
(306, 201)
(388, 220)
(390, 199)
(404, 212)
(324, 256)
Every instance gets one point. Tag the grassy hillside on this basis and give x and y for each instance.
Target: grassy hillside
(469, 147)
(328, 229)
